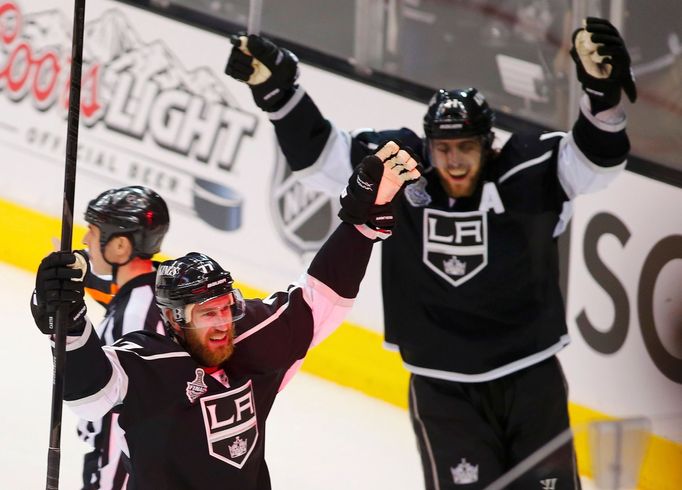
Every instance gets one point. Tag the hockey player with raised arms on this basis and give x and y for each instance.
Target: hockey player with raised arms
(193, 404)
(477, 241)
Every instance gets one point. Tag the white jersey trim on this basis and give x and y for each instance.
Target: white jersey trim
(98, 404)
(505, 370)
(74, 342)
(154, 357)
(579, 175)
(554, 134)
(523, 166)
(265, 322)
(611, 120)
(299, 92)
(425, 435)
(564, 218)
(391, 346)
(330, 172)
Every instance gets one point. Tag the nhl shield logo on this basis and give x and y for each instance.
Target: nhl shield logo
(231, 425)
(304, 217)
(455, 244)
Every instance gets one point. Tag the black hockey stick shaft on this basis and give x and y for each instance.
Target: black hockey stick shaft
(59, 356)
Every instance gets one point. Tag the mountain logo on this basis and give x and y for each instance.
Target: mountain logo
(148, 118)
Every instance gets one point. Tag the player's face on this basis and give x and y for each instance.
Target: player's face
(91, 241)
(210, 334)
(458, 163)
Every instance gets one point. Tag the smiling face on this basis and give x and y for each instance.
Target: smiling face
(458, 163)
(209, 334)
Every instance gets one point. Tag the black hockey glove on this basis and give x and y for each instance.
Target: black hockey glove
(602, 64)
(368, 197)
(59, 283)
(271, 72)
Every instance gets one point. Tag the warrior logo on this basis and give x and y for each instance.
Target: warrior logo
(455, 244)
(303, 216)
(231, 425)
(150, 119)
(197, 387)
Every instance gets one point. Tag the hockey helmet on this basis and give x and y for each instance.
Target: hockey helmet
(459, 113)
(136, 212)
(195, 279)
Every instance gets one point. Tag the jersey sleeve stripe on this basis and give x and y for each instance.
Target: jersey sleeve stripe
(98, 404)
(523, 166)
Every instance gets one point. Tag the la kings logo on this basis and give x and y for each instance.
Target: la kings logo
(231, 425)
(455, 244)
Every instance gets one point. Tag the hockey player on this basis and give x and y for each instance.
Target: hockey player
(125, 229)
(477, 239)
(193, 404)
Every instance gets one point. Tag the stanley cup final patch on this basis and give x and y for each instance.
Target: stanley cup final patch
(455, 244)
(231, 425)
(196, 387)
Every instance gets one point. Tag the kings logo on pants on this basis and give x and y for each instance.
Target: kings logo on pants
(231, 425)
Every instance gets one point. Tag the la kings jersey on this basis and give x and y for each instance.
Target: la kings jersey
(128, 309)
(191, 427)
(470, 285)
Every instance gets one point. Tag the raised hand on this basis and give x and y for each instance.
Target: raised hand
(59, 282)
(602, 64)
(270, 71)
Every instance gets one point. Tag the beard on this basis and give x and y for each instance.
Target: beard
(205, 355)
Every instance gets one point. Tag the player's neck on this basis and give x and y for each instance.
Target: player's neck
(132, 269)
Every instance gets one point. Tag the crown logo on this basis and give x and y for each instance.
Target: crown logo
(454, 266)
(464, 473)
(238, 447)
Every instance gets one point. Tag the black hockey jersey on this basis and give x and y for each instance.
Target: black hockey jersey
(470, 285)
(187, 426)
(129, 308)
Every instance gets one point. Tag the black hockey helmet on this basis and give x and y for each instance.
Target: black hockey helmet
(136, 212)
(459, 113)
(193, 279)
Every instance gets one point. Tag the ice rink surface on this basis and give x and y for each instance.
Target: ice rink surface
(319, 435)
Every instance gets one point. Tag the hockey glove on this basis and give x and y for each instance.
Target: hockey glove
(59, 283)
(367, 199)
(271, 72)
(602, 64)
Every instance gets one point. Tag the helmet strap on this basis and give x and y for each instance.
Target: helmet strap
(114, 266)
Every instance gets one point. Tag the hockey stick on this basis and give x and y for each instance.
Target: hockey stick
(253, 23)
(53, 453)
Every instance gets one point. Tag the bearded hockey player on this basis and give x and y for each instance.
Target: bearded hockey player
(477, 241)
(193, 404)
